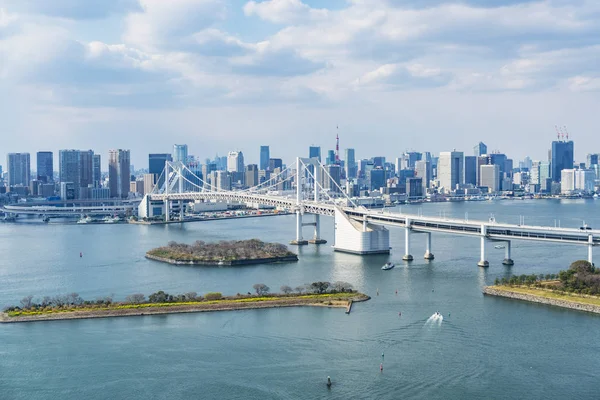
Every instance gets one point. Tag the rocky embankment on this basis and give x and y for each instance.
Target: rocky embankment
(572, 304)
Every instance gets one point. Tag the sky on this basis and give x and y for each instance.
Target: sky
(222, 75)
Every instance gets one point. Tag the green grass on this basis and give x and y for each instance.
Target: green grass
(551, 294)
(125, 306)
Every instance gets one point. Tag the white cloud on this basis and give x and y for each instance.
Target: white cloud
(284, 11)
(584, 83)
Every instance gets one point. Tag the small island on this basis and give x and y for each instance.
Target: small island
(577, 288)
(236, 252)
(72, 306)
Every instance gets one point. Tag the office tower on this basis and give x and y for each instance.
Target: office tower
(275, 163)
(499, 159)
(412, 158)
(180, 153)
(450, 169)
(585, 180)
(119, 176)
(97, 178)
(377, 178)
(423, 170)
(471, 170)
(333, 183)
(330, 157)
(378, 161)
(526, 163)
(350, 166)
(264, 157)
(19, 169)
(490, 177)
(156, 166)
(69, 171)
(426, 156)
(592, 159)
(562, 158)
(67, 191)
(222, 180)
(86, 165)
(414, 187)
(235, 161)
(149, 182)
(534, 173)
(314, 151)
(251, 175)
(480, 149)
(45, 166)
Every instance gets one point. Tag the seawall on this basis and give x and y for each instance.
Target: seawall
(292, 258)
(574, 305)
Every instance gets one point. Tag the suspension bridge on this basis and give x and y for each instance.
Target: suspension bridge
(357, 230)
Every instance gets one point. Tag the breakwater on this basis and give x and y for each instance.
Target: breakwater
(543, 298)
(291, 258)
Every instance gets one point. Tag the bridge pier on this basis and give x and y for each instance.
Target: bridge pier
(508, 261)
(407, 256)
(590, 247)
(317, 235)
(167, 210)
(428, 253)
(482, 261)
(299, 240)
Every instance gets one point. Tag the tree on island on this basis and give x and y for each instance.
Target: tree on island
(300, 289)
(341, 287)
(136, 298)
(320, 287)
(286, 289)
(261, 288)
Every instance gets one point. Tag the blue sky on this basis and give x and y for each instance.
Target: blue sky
(222, 75)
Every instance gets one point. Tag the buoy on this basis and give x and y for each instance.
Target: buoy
(381, 367)
(396, 292)
(80, 254)
(377, 291)
(382, 355)
(328, 381)
(400, 314)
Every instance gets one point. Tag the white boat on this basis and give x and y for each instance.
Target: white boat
(85, 220)
(499, 246)
(387, 265)
(110, 220)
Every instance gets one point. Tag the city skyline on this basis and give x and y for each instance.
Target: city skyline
(136, 74)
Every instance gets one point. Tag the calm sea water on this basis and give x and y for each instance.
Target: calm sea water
(484, 348)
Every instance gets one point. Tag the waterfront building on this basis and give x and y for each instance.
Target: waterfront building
(97, 166)
(314, 151)
(67, 190)
(534, 173)
(490, 177)
(562, 158)
(264, 157)
(479, 149)
(450, 169)
(350, 164)
(180, 153)
(471, 170)
(19, 169)
(567, 181)
(45, 166)
(99, 193)
(119, 176)
(86, 168)
(149, 182)
(414, 188)
(235, 161)
(251, 175)
(69, 170)
(46, 189)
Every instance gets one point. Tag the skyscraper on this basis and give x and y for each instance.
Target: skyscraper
(423, 170)
(471, 170)
(314, 151)
(97, 178)
(562, 158)
(332, 184)
(330, 157)
(377, 178)
(69, 169)
(490, 177)
(251, 175)
(480, 149)
(235, 161)
(45, 166)
(180, 153)
(119, 176)
(86, 160)
(450, 169)
(156, 165)
(19, 169)
(264, 157)
(275, 163)
(350, 164)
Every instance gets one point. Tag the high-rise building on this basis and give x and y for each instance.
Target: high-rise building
(180, 153)
(534, 173)
(69, 170)
(156, 166)
(119, 175)
(412, 158)
(251, 175)
(19, 169)
(97, 170)
(332, 184)
(499, 159)
(481, 160)
(45, 166)
(149, 182)
(86, 162)
(585, 180)
(235, 161)
(490, 177)
(592, 159)
(471, 170)
(414, 187)
(377, 178)
(378, 162)
(479, 149)
(264, 157)
(562, 158)
(222, 180)
(330, 157)
(350, 164)
(423, 170)
(314, 151)
(450, 169)
(275, 163)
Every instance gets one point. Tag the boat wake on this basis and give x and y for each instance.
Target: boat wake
(435, 319)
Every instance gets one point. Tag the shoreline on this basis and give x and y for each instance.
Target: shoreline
(228, 304)
(548, 297)
(268, 260)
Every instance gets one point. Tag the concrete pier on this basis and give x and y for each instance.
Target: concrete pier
(508, 261)
(407, 256)
(482, 261)
(317, 235)
(428, 253)
(299, 241)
